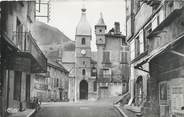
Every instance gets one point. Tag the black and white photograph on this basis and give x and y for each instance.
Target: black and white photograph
(91, 58)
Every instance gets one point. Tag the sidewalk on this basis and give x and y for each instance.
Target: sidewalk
(125, 112)
(120, 106)
(26, 113)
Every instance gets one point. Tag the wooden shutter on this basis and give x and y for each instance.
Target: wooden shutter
(106, 57)
(124, 57)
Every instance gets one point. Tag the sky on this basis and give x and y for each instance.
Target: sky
(65, 15)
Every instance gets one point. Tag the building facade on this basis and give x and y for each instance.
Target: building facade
(156, 39)
(112, 60)
(21, 57)
(40, 87)
(68, 61)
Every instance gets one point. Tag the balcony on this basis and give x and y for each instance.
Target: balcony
(110, 78)
(28, 48)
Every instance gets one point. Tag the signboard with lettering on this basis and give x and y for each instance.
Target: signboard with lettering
(20, 64)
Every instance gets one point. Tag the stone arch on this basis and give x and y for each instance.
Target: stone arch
(83, 90)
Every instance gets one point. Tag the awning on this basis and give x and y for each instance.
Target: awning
(167, 47)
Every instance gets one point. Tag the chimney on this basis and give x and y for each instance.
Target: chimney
(117, 28)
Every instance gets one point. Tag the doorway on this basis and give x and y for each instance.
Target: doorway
(83, 90)
(27, 88)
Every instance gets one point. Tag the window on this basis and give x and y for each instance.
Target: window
(83, 72)
(147, 31)
(83, 62)
(93, 71)
(137, 46)
(161, 15)
(141, 39)
(57, 82)
(132, 49)
(17, 85)
(19, 34)
(124, 57)
(106, 57)
(124, 85)
(106, 73)
(100, 30)
(155, 21)
(163, 91)
(83, 41)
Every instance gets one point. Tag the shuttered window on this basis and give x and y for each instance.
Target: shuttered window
(132, 49)
(137, 46)
(124, 57)
(147, 31)
(19, 35)
(106, 57)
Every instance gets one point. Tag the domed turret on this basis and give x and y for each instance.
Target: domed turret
(83, 27)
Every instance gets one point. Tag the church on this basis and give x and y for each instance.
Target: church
(84, 79)
(101, 74)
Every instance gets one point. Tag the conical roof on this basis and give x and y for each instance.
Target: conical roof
(101, 21)
(83, 27)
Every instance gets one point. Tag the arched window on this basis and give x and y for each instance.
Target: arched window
(83, 41)
(83, 72)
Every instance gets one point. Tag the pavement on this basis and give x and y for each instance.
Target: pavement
(26, 113)
(125, 112)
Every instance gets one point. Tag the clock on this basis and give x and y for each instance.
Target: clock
(83, 52)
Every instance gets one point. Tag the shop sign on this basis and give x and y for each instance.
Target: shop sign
(20, 64)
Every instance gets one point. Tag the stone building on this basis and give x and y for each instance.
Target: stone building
(40, 87)
(21, 57)
(53, 85)
(57, 82)
(68, 61)
(156, 39)
(112, 60)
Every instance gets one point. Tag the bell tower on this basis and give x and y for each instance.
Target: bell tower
(100, 30)
(82, 56)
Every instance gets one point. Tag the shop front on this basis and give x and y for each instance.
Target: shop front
(166, 88)
(19, 65)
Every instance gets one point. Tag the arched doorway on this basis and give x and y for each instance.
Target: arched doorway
(83, 89)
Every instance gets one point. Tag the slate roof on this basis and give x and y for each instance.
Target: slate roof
(56, 65)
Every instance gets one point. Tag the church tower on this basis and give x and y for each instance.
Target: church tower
(100, 30)
(82, 57)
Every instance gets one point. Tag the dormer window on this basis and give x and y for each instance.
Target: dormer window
(83, 41)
